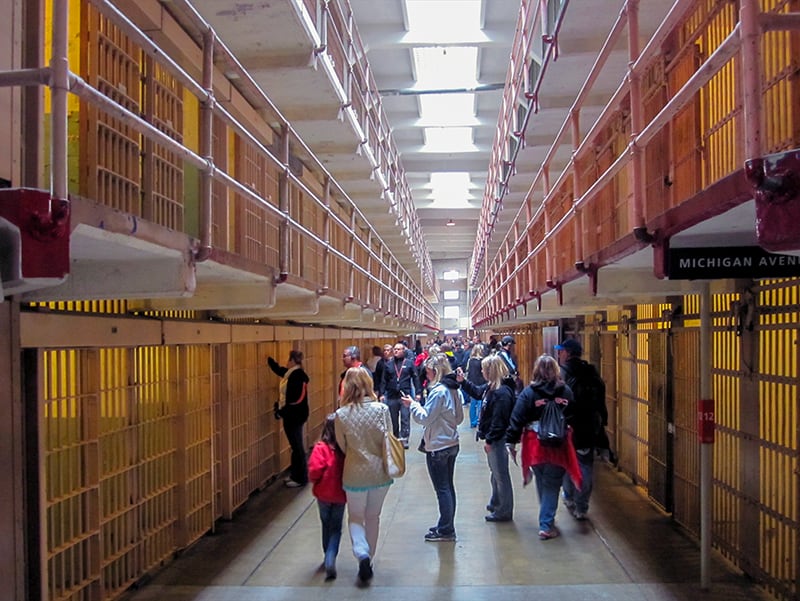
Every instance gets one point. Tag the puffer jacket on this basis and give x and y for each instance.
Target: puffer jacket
(360, 432)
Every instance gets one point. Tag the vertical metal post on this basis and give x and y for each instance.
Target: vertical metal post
(751, 76)
(637, 117)
(59, 86)
(207, 145)
(706, 449)
(283, 203)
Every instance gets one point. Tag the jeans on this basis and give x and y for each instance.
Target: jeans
(502, 499)
(298, 471)
(474, 412)
(330, 516)
(363, 517)
(581, 497)
(548, 483)
(441, 467)
(400, 414)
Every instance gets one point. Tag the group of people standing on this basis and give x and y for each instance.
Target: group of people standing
(512, 414)
(347, 466)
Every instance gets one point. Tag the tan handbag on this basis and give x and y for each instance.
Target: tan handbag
(394, 456)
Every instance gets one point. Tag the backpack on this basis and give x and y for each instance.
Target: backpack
(552, 425)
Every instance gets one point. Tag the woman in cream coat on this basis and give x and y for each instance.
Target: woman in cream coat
(361, 426)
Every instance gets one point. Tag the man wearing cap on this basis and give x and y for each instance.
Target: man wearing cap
(588, 421)
(507, 354)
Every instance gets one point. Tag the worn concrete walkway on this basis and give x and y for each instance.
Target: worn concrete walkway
(626, 550)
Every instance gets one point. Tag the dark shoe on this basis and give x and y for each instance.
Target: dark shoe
(365, 569)
(490, 509)
(438, 537)
(579, 515)
(330, 574)
(496, 518)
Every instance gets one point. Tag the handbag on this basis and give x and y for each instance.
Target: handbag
(394, 456)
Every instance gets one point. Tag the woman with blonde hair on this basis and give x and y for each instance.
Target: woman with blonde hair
(498, 397)
(548, 463)
(361, 426)
(440, 416)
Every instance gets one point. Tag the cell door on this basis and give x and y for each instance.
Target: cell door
(660, 421)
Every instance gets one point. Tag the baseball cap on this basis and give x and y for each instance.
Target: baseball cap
(572, 346)
(506, 340)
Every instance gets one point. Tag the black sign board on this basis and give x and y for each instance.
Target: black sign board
(720, 262)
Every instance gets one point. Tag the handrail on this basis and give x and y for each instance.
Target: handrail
(724, 52)
(403, 209)
(76, 85)
(485, 227)
(244, 76)
(677, 11)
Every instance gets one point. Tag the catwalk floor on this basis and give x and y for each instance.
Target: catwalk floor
(626, 550)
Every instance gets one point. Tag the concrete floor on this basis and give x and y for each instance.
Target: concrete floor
(626, 550)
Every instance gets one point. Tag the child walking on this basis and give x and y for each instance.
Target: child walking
(325, 473)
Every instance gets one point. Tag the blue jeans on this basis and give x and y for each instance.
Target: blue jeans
(441, 467)
(298, 471)
(548, 483)
(581, 497)
(474, 412)
(331, 516)
(502, 499)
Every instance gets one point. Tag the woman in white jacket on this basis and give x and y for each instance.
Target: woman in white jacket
(440, 417)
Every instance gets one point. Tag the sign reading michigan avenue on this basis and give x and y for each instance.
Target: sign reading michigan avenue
(719, 262)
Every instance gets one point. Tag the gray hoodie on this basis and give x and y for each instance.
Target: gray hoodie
(441, 415)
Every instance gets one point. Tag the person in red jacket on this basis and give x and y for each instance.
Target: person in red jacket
(325, 473)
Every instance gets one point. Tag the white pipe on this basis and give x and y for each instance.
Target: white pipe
(59, 85)
(25, 77)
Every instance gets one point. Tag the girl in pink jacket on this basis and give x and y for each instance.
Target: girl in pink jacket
(325, 473)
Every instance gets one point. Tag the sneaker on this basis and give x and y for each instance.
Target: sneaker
(437, 537)
(365, 569)
(548, 534)
(492, 517)
(292, 484)
(579, 515)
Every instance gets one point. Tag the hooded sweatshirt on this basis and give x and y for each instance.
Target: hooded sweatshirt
(443, 411)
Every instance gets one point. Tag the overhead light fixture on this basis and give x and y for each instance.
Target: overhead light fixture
(450, 223)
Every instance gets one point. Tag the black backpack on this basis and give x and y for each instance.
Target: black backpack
(552, 425)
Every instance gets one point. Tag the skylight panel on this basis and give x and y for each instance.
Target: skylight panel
(448, 139)
(449, 20)
(447, 109)
(440, 67)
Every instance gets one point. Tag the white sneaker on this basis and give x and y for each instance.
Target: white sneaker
(292, 484)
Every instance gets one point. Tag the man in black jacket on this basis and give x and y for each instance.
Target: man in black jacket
(400, 377)
(588, 420)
